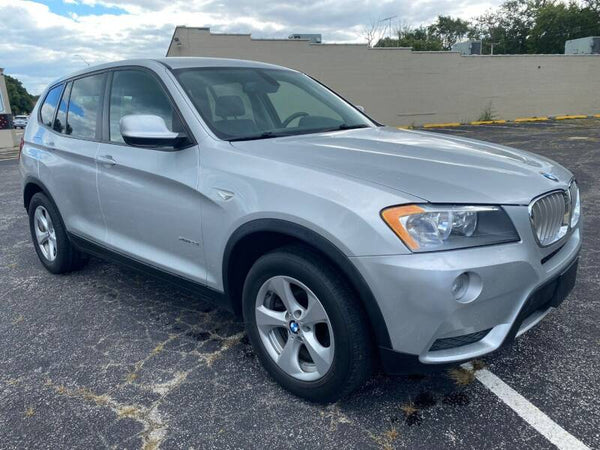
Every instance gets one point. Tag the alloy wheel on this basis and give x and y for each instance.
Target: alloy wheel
(44, 233)
(294, 328)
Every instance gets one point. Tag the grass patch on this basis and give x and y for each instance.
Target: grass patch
(478, 364)
(461, 376)
(488, 114)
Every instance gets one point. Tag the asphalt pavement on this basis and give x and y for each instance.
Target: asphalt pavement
(110, 358)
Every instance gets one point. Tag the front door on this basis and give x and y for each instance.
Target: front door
(148, 195)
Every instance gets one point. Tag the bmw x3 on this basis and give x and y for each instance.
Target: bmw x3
(343, 244)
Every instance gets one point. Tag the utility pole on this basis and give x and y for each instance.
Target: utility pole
(389, 23)
(492, 47)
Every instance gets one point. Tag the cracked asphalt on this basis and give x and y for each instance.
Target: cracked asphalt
(109, 358)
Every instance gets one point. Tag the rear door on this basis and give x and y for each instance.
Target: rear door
(148, 195)
(70, 143)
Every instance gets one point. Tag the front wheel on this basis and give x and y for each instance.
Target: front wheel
(306, 325)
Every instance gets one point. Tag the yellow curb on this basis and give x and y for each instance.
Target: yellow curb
(597, 116)
(442, 125)
(531, 119)
(579, 116)
(405, 127)
(487, 122)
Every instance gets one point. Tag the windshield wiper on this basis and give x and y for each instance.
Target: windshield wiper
(265, 135)
(345, 126)
(274, 134)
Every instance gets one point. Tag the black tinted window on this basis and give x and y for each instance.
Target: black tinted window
(60, 123)
(138, 92)
(84, 106)
(49, 106)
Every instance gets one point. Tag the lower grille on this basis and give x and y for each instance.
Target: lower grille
(458, 341)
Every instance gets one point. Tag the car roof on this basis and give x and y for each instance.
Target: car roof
(175, 63)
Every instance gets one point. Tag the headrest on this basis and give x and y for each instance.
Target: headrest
(229, 106)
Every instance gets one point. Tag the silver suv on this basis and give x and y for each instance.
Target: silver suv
(344, 245)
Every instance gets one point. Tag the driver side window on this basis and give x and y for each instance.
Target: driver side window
(138, 92)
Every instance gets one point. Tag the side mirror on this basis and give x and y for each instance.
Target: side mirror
(360, 108)
(146, 130)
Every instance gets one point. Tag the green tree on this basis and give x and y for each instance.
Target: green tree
(448, 30)
(21, 102)
(420, 39)
(506, 28)
(536, 26)
(557, 22)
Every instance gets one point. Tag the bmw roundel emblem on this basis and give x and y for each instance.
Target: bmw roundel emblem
(549, 176)
(294, 327)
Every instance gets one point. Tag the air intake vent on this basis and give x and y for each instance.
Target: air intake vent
(550, 216)
(458, 341)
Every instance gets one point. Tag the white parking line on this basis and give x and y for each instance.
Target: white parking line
(528, 412)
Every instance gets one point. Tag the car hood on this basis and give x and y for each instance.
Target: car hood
(437, 168)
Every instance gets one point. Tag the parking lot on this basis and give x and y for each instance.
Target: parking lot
(109, 358)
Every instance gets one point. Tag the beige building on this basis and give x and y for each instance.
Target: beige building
(398, 86)
(7, 136)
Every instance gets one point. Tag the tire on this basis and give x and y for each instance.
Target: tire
(54, 249)
(340, 343)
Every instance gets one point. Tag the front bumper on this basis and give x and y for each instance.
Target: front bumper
(426, 324)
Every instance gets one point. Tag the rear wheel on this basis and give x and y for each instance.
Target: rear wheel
(50, 239)
(306, 325)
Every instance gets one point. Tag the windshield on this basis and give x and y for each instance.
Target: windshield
(251, 103)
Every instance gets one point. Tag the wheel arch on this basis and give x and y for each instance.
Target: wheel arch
(253, 239)
(32, 186)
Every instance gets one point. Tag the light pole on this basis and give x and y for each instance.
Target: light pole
(82, 58)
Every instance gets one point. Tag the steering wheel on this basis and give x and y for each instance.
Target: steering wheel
(287, 121)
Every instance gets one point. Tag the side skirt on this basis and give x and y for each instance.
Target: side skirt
(87, 246)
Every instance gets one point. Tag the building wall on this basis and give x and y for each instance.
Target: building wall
(7, 136)
(398, 86)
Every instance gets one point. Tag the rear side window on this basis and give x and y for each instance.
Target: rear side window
(138, 92)
(50, 104)
(60, 123)
(84, 106)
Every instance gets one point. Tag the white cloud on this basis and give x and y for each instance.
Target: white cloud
(40, 45)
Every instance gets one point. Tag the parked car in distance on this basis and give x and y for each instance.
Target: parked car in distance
(344, 245)
(20, 121)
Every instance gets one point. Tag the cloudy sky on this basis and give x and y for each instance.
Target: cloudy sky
(43, 40)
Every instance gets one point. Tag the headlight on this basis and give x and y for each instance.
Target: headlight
(426, 228)
(575, 203)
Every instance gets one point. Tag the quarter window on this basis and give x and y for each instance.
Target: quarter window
(138, 92)
(84, 106)
(49, 105)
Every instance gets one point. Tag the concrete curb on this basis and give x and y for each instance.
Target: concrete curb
(498, 122)
(9, 153)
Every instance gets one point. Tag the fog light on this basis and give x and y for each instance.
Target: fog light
(460, 286)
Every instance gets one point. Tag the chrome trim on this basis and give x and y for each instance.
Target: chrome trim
(552, 218)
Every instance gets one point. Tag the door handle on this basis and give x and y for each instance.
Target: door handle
(106, 160)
